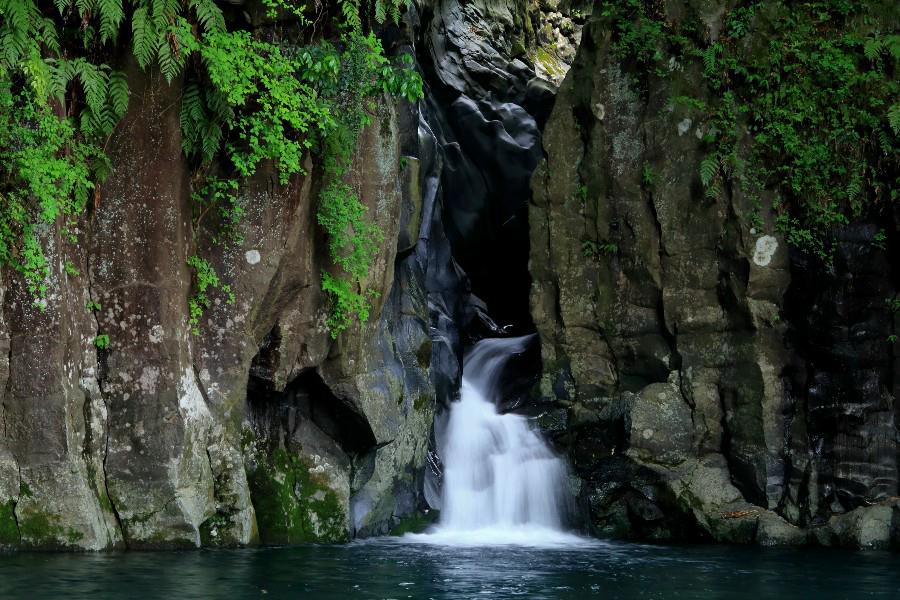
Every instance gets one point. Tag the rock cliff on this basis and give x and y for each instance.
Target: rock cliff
(260, 429)
(717, 384)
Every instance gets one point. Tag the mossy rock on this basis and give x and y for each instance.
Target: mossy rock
(294, 505)
(9, 529)
(41, 530)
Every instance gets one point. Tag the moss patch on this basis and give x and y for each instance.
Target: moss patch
(421, 402)
(423, 354)
(25, 490)
(9, 530)
(40, 529)
(292, 504)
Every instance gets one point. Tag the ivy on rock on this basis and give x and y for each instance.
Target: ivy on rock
(813, 85)
(249, 97)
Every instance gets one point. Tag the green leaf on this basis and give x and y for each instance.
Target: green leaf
(708, 168)
(118, 93)
(111, 15)
(143, 37)
(894, 118)
(209, 15)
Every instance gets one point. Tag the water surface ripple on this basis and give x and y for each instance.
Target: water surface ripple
(391, 568)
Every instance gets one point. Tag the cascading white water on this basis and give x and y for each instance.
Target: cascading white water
(502, 482)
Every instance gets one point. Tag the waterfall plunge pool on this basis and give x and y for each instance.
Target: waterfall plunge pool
(393, 568)
(501, 535)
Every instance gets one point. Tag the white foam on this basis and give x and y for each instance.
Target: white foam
(525, 535)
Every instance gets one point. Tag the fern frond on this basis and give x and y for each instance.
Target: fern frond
(111, 15)
(163, 13)
(884, 141)
(168, 60)
(872, 48)
(59, 78)
(191, 116)
(893, 44)
(350, 10)
(218, 105)
(39, 74)
(118, 93)
(49, 36)
(85, 9)
(708, 168)
(174, 48)
(854, 188)
(709, 58)
(209, 15)
(893, 115)
(95, 81)
(395, 10)
(211, 140)
(143, 37)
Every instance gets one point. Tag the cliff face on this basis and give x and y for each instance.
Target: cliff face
(260, 429)
(716, 384)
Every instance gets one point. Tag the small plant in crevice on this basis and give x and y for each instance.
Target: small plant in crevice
(581, 194)
(205, 280)
(648, 177)
(893, 304)
(70, 269)
(92, 306)
(353, 239)
(595, 250)
(101, 342)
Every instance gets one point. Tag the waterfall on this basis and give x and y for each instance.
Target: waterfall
(502, 482)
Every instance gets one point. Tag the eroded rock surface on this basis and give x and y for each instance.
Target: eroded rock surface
(262, 428)
(715, 385)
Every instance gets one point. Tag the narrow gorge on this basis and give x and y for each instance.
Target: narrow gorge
(695, 348)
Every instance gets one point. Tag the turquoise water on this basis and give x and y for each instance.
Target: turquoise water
(390, 569)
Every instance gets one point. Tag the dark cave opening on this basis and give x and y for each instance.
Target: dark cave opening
(306, 397)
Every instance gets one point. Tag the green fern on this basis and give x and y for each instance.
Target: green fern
(709, 59)
(893, 115)
(143, 37)
(872, 48)
(709, 166)
(893, 44)
(202, 116)
(350, 11)
(111, 15)
(209, 15)
(854, 188)
(118, 93)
